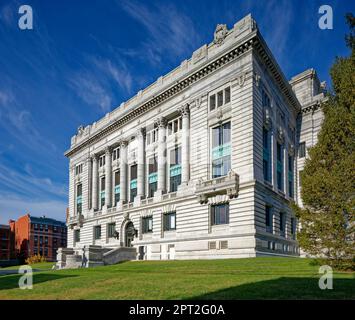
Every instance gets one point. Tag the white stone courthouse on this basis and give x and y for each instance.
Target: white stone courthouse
(201, 164)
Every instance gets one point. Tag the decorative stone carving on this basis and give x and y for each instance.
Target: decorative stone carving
(184, 110)
(108, 150)
(291, 149)
(123, 143)
(280, 134)
(160, 122)
(267, 118)
(257, 79)
(140, 133)
(198, 102)
(80, 130)
(241, 79)
(220, 34)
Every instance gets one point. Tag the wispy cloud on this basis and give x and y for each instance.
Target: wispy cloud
(171, 32)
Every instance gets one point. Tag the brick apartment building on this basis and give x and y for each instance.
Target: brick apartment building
(6, 241)
(38, 235)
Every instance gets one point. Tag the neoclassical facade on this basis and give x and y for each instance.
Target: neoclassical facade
(201, 164)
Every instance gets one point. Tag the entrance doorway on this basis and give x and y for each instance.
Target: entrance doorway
(129, 234)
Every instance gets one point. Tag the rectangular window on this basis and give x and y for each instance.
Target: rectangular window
(174, 125)
(102, 191)
(97, 232)
(116, 154)
(227, 95)
(212, 102)
(152, 176)
(293, 228)
(133, 183)
(220, 99)
(266, 155)
(117, 186)
(170, 221)
(78, 169)
(77, 235)
(79, 198)
(147, 224)
(302, 150)
(279, 166)
(265, 99)
(102, 161)
(220, 214)
(290, 176)
(282, 223)
(175, 168)
(221, 150)
(111, 229)
(268, 219)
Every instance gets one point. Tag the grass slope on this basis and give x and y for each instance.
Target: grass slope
(255, 278)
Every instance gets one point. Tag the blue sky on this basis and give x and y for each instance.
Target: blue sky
(83, 58)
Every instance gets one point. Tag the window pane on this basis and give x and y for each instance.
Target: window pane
(219, 98)
(134, 172)
(302, 150)
(212, 102)
(227, 95)
(215, 137)
(226, 132)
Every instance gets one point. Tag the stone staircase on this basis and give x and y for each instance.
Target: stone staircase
(92, 256)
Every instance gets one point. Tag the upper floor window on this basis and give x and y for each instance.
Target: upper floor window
(293, 227)
(221, 150)
(79, 169)
(265, 100)
(290, 176)
(219, 214)
(152, 135)
(174, 126)
(279, 175)
(102, 160)
(169, 220)
(302, 150)
(220, 98)
(117, 186)
(266, 155)
(116, 154)
(282, 223)
(152, 176)
(102, 191)
(133, 183)
(147, 224)
(175, 168)
(79, 198)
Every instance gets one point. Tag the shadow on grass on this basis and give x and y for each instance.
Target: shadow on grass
(11, 281)
(284, 288)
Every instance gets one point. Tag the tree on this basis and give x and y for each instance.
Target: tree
(328, 179)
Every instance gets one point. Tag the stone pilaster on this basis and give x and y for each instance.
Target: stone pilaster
(123, 171)
(108, 177)
(140, 163)
(185, 145)
(95, 177)
(161, 123)
(89, 183)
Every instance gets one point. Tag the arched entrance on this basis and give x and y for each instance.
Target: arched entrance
(129, 234)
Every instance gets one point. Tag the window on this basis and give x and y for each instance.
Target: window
(293, 228)
(220, 214)
(266, 155)
(79, 199)
(220, 98)
(35, 251)
(35, 240)
(169, 221)
(116, 154)
(300, 177)
(265, 99)
(102, 192)
(77, 235)
(117, 186)
(97, 232)
(111, 230)
(221, 150)
(282, 223)
(279, 166)
(41, 227)
(46, 241)
(102, 161)
(174, 126)
(302, 150)
(147, 224)
(152, 135)
(268, 219)
(175, 168)
(40, 240)
(55, 229)
(152, 176)
(36, 226)
(78, 169)
(290, 176)
(133, 183)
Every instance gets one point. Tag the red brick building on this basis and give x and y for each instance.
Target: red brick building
(33, 235)
(5, 242)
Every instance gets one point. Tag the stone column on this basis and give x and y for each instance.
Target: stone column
(89, 183)
(95, 176)
(140, 163)
(185, 145)
(123, 172)
(108, 177)
(161, 123)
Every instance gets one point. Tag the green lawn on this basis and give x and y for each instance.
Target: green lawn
(39, 266)
(255, 278)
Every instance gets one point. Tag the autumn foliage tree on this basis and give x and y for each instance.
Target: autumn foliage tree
(328, 179)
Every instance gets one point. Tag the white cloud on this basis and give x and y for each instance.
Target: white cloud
(14, 207)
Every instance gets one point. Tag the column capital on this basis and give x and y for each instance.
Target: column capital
(184, 110)
(123, 143)
(108, 150)
(161, 122)
(95, 157)
(140, 132)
